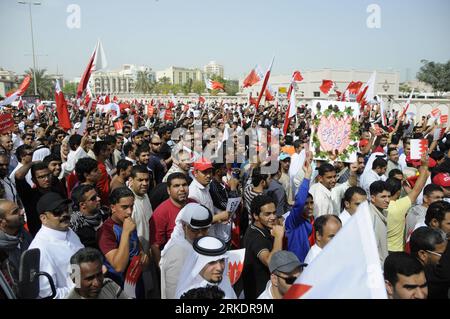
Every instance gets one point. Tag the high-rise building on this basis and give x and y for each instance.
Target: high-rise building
(177, 75)
(213, 68)
(8, 81)
(118, 81)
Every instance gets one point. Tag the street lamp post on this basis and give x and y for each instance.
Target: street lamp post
(32, 40)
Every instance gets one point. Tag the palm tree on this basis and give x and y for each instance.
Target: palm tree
(45, 85)
(143, 83)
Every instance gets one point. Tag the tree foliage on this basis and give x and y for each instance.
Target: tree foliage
(435, 74)
(45, 85)
(143, 83)
(70, 89)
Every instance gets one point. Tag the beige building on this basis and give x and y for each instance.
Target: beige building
(179, 75)
(117, 81)
(387, 82)
(213, 68)
(8, 81)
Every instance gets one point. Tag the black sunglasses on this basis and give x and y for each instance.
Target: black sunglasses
(288, 280)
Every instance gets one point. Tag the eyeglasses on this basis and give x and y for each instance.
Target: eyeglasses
(434, 253)
(156, 143)
(288, 280)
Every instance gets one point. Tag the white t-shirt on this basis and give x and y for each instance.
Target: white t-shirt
(312, 254)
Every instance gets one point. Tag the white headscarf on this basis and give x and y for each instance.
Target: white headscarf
(369, 163)
(178, 236)
(190, 277)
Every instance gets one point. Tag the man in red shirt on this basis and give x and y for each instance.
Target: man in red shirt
(162, 222)
(102, 152)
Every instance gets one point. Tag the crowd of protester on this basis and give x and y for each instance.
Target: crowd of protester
(138, 203)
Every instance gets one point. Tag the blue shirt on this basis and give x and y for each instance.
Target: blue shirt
(297, 227)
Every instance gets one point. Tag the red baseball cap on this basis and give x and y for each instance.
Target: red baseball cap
(363, 142)
(442, 179)
(202, 164)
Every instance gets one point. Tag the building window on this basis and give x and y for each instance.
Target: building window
(316, 94)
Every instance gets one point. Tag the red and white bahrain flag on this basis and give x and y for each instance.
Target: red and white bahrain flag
(20, 91)
(327, 86)
(96, 63)
(291, 111)
(270, 93)
(419, 147)
(235, 264)
(367, 93)
(62, 111)
(214, 85)
(405, 109)
(252, 78)
(264, 85)
(292, 108)
(347, 268)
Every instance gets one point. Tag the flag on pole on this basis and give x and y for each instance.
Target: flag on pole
(264, 85)
(405, 109)
(270, 94)
(214, 85)
(296, 77)
(347, 268)
(291, 110)
(367, 93)
(251, 100)
(19, 92)
(96, 63)
(62, 111)
(384, 121)
(327, 86)
(354, 87)
(252, 78)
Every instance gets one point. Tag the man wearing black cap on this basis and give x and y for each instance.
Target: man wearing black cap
(57, 243)
(284, 268)
(43, 179)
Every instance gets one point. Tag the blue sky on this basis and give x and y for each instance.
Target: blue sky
(301, 34)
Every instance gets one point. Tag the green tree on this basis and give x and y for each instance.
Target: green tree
(231, 87)
(70, 88)
(163, 86)
(187, 87)
(177, 88)
(45, 85)
(143, 83)
(435, 74)
(198, 87)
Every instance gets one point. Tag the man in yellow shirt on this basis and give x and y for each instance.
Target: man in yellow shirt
(398, 208)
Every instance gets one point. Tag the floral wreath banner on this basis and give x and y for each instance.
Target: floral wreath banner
(335, 131)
